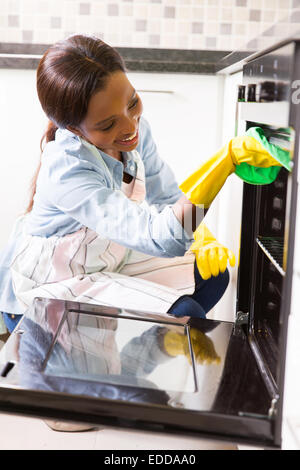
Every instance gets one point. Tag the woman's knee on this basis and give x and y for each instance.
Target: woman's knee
(224, 278)
(187, 306)
(208, 292)
(219, 283)
(221, 279)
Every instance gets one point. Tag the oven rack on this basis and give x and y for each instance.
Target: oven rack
(273, 247)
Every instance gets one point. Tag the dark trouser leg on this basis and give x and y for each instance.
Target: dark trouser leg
(206, 295)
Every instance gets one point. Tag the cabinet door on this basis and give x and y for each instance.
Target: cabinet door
(185, 115)
(22, 123)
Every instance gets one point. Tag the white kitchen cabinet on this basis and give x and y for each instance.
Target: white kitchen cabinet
(22, 123)
(185, 114)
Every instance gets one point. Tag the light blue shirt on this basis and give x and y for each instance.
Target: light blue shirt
(79, 185)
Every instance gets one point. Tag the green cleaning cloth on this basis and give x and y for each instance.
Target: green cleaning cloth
(255, 175)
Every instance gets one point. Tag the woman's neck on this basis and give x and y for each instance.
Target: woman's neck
(116, 155)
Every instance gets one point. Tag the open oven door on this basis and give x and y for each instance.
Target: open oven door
(95, 364)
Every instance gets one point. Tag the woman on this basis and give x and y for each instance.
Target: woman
(106, 223)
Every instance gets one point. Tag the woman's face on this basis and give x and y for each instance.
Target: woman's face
(113, 115)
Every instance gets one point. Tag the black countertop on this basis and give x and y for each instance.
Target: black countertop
(27, 56)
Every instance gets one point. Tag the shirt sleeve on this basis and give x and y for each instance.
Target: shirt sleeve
(80, 191)
(161, 185)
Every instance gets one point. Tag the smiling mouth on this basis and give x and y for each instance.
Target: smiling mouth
(131, 139)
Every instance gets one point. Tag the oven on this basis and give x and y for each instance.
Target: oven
(102, 365)
(268, 220)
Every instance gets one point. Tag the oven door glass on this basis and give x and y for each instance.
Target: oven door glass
(120, 351)
(105, 365)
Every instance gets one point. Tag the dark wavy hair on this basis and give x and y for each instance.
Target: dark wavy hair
(68, 75)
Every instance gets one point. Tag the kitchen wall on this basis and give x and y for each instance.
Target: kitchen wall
(178, 24)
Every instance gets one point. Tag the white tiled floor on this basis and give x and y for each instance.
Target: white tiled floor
(24, 433)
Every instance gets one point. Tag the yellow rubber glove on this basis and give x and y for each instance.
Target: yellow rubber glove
(211, 256)
(204, 351)
(202, 186)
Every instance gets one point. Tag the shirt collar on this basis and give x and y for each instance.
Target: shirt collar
(129, 161)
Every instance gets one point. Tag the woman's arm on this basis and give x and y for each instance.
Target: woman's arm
(77, 189)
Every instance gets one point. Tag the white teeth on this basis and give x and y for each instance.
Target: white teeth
(131, 137)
